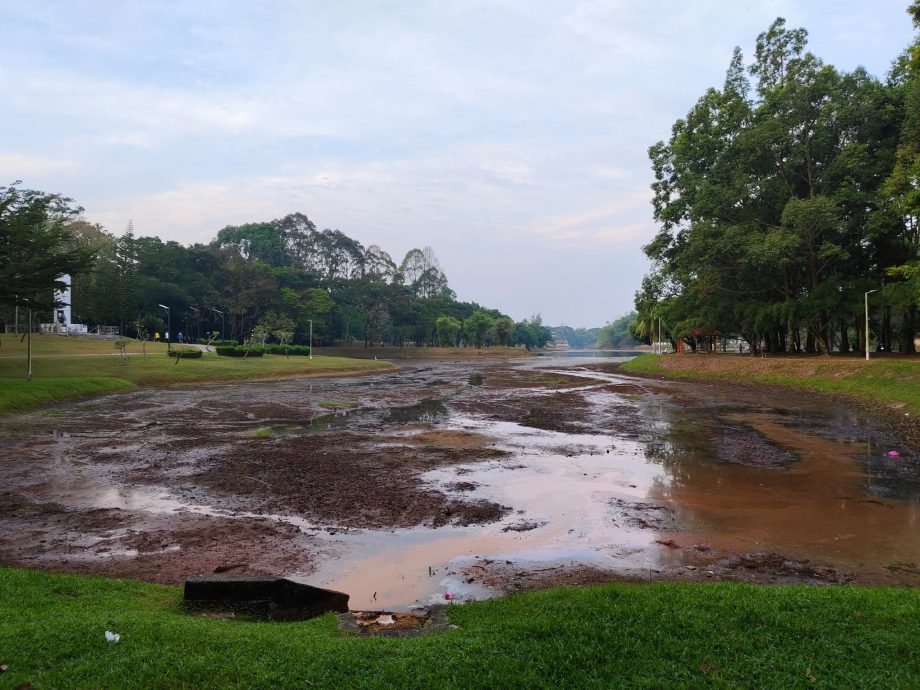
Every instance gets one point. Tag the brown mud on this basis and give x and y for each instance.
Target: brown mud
(467, 478)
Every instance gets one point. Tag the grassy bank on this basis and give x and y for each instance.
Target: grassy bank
(18, 394)
(65, 368)
(894, 382)
(703, 635)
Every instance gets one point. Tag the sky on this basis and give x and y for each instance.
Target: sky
(511, 136)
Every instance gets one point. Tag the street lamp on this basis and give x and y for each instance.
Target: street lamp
(311, 337)
(168, 326)
(221, 315)
(867, 322)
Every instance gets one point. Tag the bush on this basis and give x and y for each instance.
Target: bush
(185, 354)
(239, 351)
(220, 343)
(298, 350)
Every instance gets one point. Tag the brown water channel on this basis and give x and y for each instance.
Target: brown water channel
(468, 478)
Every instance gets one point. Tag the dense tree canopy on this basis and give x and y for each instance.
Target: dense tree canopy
(781, 203)
(276, 278)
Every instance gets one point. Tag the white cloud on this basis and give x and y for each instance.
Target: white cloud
(460, 124)
(189, 214)
(511, 171)
(22, 166)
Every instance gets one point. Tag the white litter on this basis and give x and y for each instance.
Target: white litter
(111, 637)
(386, 619)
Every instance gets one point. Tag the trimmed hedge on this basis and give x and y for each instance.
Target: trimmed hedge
(293, 350)
(221, 343)
(185, 354)
(239, 351)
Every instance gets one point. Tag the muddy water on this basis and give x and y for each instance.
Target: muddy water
(471, 479)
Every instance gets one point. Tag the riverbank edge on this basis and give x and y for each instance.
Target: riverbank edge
(864, 386)
(19, 395)
(628, 635)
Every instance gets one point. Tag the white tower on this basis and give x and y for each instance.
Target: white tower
(61, 316)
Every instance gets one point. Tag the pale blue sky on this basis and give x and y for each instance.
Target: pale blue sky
(509, 135)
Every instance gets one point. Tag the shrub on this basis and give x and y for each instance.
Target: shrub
(221, 343)
(298, 350)
(239, 351)
(186, 354)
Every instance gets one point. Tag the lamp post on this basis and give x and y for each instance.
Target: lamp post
(221, 315)
(168, 326)
(311, 337)
(867, 322)
(660, 352)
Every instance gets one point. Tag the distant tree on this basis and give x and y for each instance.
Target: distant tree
(36, 247)
(259, 335)
(378, 265)
(448, 329)
(256, 241)
(143, 335)
(477, 327)
(618, 333)
(504, 327)
(531, 333)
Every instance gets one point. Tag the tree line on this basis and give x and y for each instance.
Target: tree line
(785, 196)
(277, 277)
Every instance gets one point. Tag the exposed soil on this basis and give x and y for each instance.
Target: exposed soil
(643, 515)
(344, 480)
(164, 548)
(395, 624)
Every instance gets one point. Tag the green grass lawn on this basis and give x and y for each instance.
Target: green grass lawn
(634, 636)
(887, 381)
(65, 367)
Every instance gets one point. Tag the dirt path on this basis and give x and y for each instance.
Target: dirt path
(472, 477)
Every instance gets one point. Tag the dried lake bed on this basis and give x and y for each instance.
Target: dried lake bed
(474, 478)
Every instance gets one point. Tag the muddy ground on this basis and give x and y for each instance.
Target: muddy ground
(493, 476)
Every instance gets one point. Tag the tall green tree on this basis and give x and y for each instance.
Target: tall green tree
(37, 247)
(768, 201)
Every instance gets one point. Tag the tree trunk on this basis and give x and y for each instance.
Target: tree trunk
(810, 342)
(907, 331)
(844, 337)
(886, 335)
(29, 375)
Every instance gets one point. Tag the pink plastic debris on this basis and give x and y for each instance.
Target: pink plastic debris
(893, 454)
(448, 595)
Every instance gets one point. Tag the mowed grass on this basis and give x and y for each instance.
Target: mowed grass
(887, 381)
(625, 636)
(67, 367)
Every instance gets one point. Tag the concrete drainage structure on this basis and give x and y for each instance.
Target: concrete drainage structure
(274, 598)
